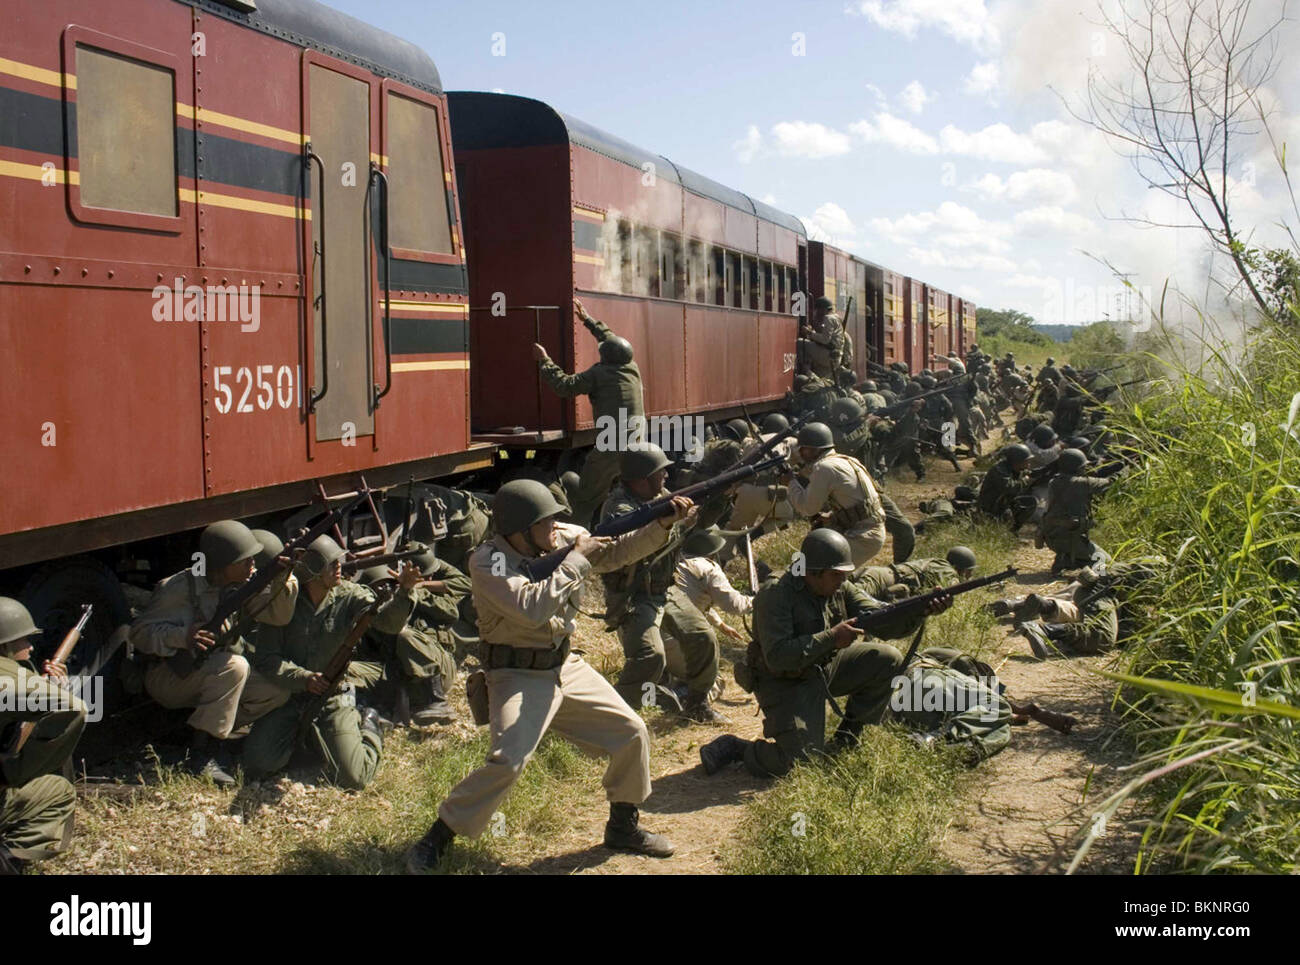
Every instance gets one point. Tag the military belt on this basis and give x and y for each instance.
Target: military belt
(502, 656)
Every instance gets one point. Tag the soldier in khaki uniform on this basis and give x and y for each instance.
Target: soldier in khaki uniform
(642, 597)
(225, 692)
(614, 386)
(36, 805)
(762, 501)
(838, 488)
(533, 679)
(328, 606)
(822, 341)
(806, 650)
(705, 584)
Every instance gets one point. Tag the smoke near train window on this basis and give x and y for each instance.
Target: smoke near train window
(697, 272)
(672, 281)
(419, 219)
(126, 134)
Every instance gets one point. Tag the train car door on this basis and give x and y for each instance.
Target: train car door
(340, 138)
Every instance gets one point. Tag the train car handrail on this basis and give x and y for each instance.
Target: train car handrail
(377, 175)
(313, 397)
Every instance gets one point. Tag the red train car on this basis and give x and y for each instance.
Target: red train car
(940, 323)
(894, 334)
(198, 309)
(839, 275)
(916, 325)
(698, 277)
(967, 325)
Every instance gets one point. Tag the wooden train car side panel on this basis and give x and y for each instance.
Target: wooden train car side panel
(726, 348)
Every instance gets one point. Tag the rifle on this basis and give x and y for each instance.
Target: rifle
(340, 661)
(904, 404)
(750, 565)
(912, 605)
(1061, 723)
(385, 559)
(541, 567)
(185, 662)
(777, 439)
(70, 641)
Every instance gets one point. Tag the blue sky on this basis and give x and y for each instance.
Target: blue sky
(921, 134)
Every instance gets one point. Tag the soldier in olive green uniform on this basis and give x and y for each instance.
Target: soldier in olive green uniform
(36, 804)
(1068, 515)
(348, 744)
(225, 692)
(822, 342)
(917, 576)
(806, 650)
(614, 386)
(643, 596)
(812, 396)
(1004, 493)
(535, 682)
(422, 655)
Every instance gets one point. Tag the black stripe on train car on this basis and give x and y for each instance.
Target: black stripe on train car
(426, 276)
(586, 235)
(429, 336)
(31, 122)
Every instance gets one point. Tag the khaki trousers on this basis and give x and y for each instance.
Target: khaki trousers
(752, 506)
(866, 542)
(36, 818)
(225, 692)
(523, 704)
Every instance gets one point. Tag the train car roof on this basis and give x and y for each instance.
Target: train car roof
(507, 120)
(311, 24)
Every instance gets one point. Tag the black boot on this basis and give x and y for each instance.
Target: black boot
(373, 722)
(203, 761)
(724, 750)
(697, 707)
(846, 735)
(429, 851)
(624, 833)
(429, 704)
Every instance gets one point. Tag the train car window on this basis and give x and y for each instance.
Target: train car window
(623, 252)
(697, 271)
(646, 261)
(419, 211)
(126, 134)
(778, 299)
(766, 299)
(791, 287)
(672, 271)
(721, 286)
(735, 280)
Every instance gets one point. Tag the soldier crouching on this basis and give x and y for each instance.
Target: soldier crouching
(533, 679)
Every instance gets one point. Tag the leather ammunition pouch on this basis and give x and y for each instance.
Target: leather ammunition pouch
(501, 656)
(851, 517)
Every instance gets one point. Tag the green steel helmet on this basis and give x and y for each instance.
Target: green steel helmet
(899, 367)
(825, 549)
(929, 382)
(226, 542)
(955, 367)
(1050, 375)
(816, 435)
(912, 389)
(1043, 436)
(642, 462)
(1067, 368)
(845, 411)
(320, 556)
(521, 504)
(926, 505)
(774, 422)
(824, 303)
(1078, 442)
(15, 622)
(616, 350)
(703, 542)
(870, 386)
(926, 373)
(961, 558)
(427, 561)
(1050, 360)
(569, 481)
(272, 547)
(737, 429)
(374, 575)
(1072, 461)
(1016, 454)
(965, 493)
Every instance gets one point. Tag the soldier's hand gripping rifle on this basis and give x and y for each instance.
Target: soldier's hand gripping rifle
(386, 559)
(60, 656)
(543, 566)
(777, 438)
(337, 667)
(184, 663)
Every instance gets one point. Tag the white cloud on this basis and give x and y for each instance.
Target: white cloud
(965, 20)
(983, 78)
(1050, 220)
(964, 261)
(1030, 281)
(1035, 186)
(882, 102)
(808, 139)
(915, 97)
(833, 221)
(997, 142)
(896, 132)
(951, 225)
(748, 146)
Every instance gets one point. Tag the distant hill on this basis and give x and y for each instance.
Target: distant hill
(1059, 332)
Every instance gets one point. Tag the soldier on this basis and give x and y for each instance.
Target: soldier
(812, 396)
(918, 576)
(705, 584)
(838, 488)
(282, 595)
(347, 743)
(938, 422)
(871, 397)
(1043, 445)
(903, 444)
(642, 596)
(226, 693)
(822, 342)
(422, 655)
(614, 386)
(36, 804)
(1003, 493)
(762, 500)
(534, 681)
(806, 650)
(1068, 414)
(1068, 514)
(944, 510)
(1048, 371)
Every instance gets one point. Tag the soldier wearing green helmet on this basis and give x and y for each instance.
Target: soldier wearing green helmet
(36, 802)
(702, 580)
(838, 490)
(614, 387)
(642, 598)
(347, 742)
(1004, 493)
(821, 340)
(534, 681)
(806, 650)
(227, 694)
(1067, 517)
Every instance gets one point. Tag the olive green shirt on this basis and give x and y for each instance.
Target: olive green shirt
(59, 715)
(611, 387)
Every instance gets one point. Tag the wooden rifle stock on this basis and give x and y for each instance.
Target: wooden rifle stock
(70, 641)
